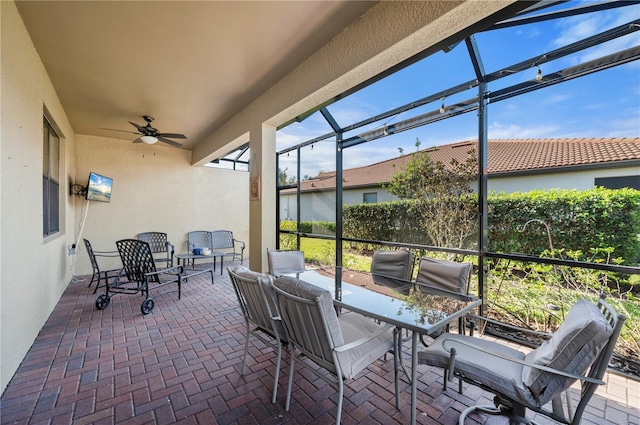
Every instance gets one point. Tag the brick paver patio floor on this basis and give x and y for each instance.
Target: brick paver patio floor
(181, 364)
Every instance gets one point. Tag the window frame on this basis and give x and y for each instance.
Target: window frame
(364, 197)
(50, 179)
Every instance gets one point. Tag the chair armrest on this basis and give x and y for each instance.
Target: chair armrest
(106, 253)
(452, 353)
(363, 340)
(241, 243)
(167, 245)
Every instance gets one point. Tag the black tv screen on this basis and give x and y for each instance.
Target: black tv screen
(99, 188)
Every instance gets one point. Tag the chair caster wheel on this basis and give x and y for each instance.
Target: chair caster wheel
(147, 306)
(102, 302)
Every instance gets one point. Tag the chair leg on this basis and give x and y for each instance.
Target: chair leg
(97, 283)
(92, 277)
(340, 396)
(288, 402)
(397, 338)
(246, 349)
(275, 381)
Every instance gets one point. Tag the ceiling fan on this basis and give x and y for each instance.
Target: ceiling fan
(150, 135)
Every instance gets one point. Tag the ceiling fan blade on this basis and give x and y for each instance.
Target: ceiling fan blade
(138, 140)
(122, 131)
(169, 142)
(172, 135)
(140, 128)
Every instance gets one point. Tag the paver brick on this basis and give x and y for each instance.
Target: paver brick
(181, 364)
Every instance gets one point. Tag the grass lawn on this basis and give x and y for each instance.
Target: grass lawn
(322, 252)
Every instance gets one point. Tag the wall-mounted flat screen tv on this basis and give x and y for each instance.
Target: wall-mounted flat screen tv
(99, 188)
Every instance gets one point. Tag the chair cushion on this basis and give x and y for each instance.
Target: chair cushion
(449, 275)
(386, 265)
(572, 348)
(502, 375)
(355, 326)
(308, 291)
(285, 262)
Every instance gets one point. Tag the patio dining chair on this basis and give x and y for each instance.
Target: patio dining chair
(257, 303)
(451, 276)
(393, 269)
(441, 276)
(98, 274)
(283, 262)
(322, 341)
(579, 350)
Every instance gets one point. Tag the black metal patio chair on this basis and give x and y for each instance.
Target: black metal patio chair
(139, 276)
(159, 244)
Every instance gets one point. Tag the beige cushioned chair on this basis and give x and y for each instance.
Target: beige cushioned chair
(283, 262)
(579, 350)
(393, 269)
(341, 345)
(260, 313)
(451, 276)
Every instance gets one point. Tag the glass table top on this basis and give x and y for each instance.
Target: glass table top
(419, 312)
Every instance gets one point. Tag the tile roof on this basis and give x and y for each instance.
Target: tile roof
(505, 155)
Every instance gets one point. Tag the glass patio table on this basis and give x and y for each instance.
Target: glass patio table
(434, 311)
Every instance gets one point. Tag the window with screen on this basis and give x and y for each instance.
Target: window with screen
(50, 180)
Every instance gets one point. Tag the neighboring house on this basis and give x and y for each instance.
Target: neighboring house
(513, 165)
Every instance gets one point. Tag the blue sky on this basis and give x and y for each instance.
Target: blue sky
(605, 104)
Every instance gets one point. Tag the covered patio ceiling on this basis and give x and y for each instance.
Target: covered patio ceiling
(190, 65)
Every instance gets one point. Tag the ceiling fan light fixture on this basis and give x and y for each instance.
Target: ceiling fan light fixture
(149, 140)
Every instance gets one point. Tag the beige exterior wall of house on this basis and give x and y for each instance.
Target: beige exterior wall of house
(155, 188)
(34, 272)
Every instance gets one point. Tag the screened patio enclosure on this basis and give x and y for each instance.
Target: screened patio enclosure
(495, 84)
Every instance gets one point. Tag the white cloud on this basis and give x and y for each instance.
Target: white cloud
(596, 106)
(582, 26)
(513, 131)
(576, 28)
(627, 125)
(557, 98)
(608, 48)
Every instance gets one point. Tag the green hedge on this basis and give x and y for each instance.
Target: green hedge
(579, 220)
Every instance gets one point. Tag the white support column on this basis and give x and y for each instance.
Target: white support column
(262, 211)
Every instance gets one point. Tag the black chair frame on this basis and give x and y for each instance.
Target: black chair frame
(98, 274)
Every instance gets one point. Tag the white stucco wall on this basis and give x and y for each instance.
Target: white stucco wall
(155, 188)
(33, 272)
(321, 206)
(580, 180)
